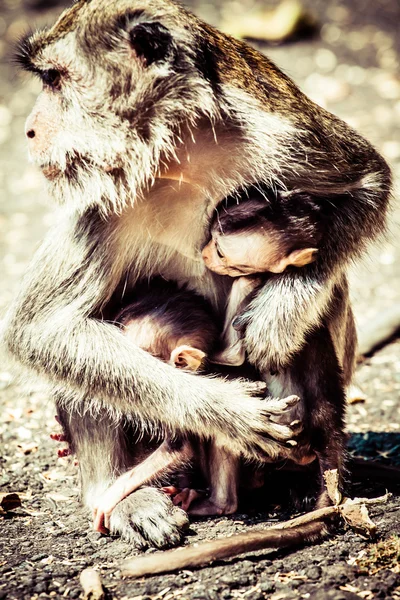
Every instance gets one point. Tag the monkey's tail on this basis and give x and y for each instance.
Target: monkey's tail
(207, 552)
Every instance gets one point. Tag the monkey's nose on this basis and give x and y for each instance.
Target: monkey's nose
(30, 133)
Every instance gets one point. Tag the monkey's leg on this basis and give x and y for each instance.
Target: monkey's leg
(147, 516)
(316, 376)
(166, 457)
(224, 483)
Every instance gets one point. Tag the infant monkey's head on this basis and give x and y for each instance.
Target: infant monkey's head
(177, 326)
(260, 235)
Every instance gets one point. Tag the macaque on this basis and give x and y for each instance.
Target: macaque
(178, 327)
(262, 234)
(148, 119)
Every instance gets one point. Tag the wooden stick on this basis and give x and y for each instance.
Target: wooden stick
(92, 587)
(286, 534)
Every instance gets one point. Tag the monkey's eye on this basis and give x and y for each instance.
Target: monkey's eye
(51, 77)
(219, 252)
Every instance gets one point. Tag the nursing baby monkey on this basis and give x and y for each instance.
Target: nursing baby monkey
(263, 234)
(148, 119)
(179, 327)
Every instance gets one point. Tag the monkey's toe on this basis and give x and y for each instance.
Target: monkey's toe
(148, 518)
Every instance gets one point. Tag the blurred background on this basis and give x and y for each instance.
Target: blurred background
(343, 53)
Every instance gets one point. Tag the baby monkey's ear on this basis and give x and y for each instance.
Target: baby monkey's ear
(151, 41)
(187, 357)
(299, 258)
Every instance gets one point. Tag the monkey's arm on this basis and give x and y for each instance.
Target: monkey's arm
(280, 316)
(294, 302)
(54, 330)
(233, 352)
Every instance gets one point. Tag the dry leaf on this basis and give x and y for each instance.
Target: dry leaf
(9, 501)
(355, 395)
(28, 448)
(58, 497)
(332, 484)
(356, 515)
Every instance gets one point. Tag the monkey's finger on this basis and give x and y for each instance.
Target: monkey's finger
(99, 523)
(58, 437)
(260, 387)
(64, 452)
(170, 490)
(278, 406)
(280, 432)
(256, 388)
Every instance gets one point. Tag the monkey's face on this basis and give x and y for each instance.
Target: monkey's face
(118, 81)
(241, 254)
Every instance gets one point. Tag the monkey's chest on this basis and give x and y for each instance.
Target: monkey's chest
(165, 234)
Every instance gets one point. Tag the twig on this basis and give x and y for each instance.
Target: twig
(353, 511)
(92, 587)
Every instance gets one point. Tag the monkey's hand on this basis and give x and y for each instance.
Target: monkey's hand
(270, 428)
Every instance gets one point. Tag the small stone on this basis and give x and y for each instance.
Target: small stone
(94, 536)
(234, 581)
(37, 557)
(314, 573)
(267, 586)
(40, 587)
(200, 594)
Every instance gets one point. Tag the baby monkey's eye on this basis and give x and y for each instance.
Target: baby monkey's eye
(219, 252)
(51, 77)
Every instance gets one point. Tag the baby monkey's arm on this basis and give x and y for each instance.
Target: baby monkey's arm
(233, 353)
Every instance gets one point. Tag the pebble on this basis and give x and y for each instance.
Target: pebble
(267, 586)
(94, 536)
(314, 573)
(234, 581)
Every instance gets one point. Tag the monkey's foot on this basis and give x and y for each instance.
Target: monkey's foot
(148, 518)
(207, 507)
(196, 502)
(185, 497)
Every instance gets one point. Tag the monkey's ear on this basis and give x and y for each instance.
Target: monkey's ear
(151, 41)
(299, 258)
(187, 357)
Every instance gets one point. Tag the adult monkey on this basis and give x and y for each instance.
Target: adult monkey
(148, 118)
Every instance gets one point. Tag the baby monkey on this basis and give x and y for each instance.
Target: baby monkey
(265, 234)
(178, 326)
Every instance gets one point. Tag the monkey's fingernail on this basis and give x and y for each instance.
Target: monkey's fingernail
(291, 443)
(295, 423)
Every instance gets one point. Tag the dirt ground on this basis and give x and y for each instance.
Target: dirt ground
(350, 66)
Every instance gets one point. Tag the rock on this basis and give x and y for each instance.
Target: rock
(314, 573)
(40, 587)
(267, 586)
(234, 581)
